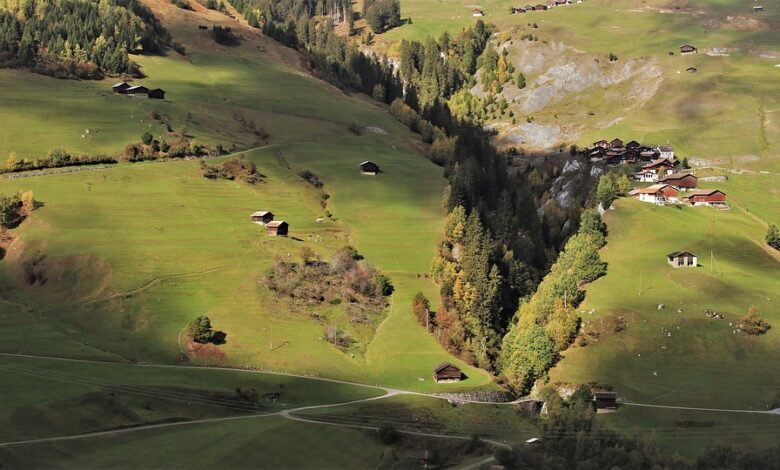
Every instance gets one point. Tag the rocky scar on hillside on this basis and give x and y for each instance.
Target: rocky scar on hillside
(565, 91)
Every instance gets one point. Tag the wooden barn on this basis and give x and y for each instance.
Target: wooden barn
(277, 228)
(138, 90)
(262, 217)
(682, 259)
(681, 181)
(616, 144)
(156, 93)
(446, 372)
(706, 197)
(633, 145)
(369, 168)
(120, 88)
(604, 400)
(688, 49)
(601, 144)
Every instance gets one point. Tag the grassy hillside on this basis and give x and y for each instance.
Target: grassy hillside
(136, 251)
(736, 90)
(677, 355)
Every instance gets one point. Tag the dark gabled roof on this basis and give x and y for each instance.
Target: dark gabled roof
(156, 89)
(276, 223)
(443, 366)
(601, 393)
(138, 88)
(703, 192)
(676, 254)
(678, 176)
(121, 85)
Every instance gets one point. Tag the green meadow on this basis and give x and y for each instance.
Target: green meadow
(135, 251)
(675, 355)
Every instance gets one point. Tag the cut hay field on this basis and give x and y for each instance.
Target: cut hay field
(675, 355)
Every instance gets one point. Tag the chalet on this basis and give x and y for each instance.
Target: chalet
(477, 12)
(369, 168)
(647, 155)
(262, 217)
(446, 372)
(682, 259)
(120, 88)
(157, 94)
(691, 70)
(646, 176)
(665, 151)
(598, 152)
(616, 144)
(633, 145)
(601, 144)
(138, 91)
(658, 194)
(706, 197)
(604, 400)
(615, 156)
(277, 228)
(681, 181)
(758, 9)
(688, 49)
(662, 165)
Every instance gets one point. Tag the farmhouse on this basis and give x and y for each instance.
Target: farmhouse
(369, 168)
(262, 217)
(706, 197)
(682, 259)
(658, 194)
(758, 9)
(688, 49)
(604, 400)
(446, 372)
(120, 88)
(477, 12)
(681, 181)
(276, 228)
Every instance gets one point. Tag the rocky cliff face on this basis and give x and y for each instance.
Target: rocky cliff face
(567, 91)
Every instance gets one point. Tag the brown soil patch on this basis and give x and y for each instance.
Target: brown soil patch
(205, 353)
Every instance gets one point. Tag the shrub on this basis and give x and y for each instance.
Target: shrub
(388, 435)
(753, 324)
(199, 330)
(773, 237)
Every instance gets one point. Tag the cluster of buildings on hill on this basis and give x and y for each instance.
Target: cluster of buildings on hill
(616, 151)
(671, 186)
(138, 91)
(544, 6)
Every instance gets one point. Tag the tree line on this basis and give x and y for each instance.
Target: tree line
(495, 251)
(73, 38)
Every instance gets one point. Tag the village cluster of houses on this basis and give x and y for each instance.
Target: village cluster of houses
(273, 228)
(671, 186)
(542, 6)
(138, 91)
